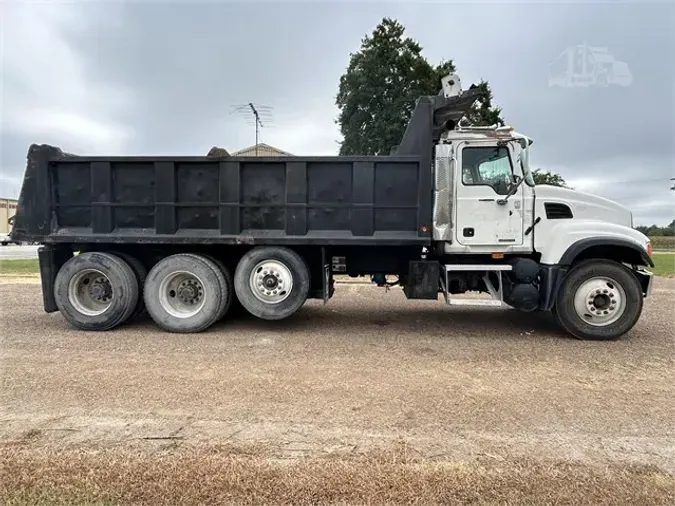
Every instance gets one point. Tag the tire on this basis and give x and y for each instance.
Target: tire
(141, 273)
(287, 268)
(226, 284)
(599, 300)
(198, 279)
(96, 291)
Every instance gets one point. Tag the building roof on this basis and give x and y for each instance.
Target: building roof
(262, 150)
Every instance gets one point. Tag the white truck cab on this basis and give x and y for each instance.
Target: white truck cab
(500, 209)
(579, 254)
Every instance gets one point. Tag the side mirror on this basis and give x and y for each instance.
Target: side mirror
(517, 181)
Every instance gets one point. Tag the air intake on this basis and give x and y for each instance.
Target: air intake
(556, 211)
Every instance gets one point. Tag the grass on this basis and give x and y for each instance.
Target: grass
(19, 267)
(229, 475)
(664, 264)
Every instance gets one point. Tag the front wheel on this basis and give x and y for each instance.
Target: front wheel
(599, 300)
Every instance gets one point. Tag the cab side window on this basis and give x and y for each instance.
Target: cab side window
(487, 166)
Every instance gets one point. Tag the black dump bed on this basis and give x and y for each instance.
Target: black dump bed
(249, 200)
(385, 200)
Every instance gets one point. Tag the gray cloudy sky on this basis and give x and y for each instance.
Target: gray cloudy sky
(151, 77)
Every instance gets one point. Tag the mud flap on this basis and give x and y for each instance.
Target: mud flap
(327, 275)
(646, 279)
(51, 259)
(423, 280)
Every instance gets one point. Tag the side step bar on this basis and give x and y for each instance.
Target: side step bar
(496, 293)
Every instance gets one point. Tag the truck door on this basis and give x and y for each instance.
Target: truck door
(486, 173)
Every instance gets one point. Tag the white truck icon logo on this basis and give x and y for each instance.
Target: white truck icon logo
(584, 65)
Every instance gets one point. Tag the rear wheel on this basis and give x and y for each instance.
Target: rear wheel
(96, 291)
(183, 293)
(141, 273)
(599, 300)
(271, 283)
(225, 282)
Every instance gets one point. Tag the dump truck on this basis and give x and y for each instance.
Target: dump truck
(451, 210)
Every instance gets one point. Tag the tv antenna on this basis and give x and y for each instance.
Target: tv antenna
(257, 115)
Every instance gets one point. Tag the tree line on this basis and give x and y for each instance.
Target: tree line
(656, 231)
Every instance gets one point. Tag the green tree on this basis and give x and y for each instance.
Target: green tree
(378, 91)
(656, 231)
(548, 177)
(483, 113)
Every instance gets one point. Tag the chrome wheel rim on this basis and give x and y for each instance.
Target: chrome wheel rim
(90, 292)
(600, 301)
(181, 294)
(271, 281)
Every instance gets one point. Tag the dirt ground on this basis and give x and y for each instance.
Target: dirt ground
(369, 372)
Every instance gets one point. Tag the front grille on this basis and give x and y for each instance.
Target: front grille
(557, 211)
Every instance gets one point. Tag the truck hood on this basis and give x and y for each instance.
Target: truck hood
(586, 206)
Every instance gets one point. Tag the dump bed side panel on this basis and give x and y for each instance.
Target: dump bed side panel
(293, 200)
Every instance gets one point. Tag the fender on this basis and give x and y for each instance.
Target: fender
(564, 242)
(580, 246)
(561, 243)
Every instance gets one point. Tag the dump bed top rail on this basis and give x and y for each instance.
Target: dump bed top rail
(231, 200)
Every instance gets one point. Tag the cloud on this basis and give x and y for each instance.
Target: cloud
(189, 65)
(85, 134)
(46, 96)
(632, 183)
(10, 185)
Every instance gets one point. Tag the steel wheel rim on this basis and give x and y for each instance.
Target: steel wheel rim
(90, 292)
(181, 294)
(271, 281)
(600, 301)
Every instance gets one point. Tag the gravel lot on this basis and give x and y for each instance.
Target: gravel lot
(368, 370)
(368, 367)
